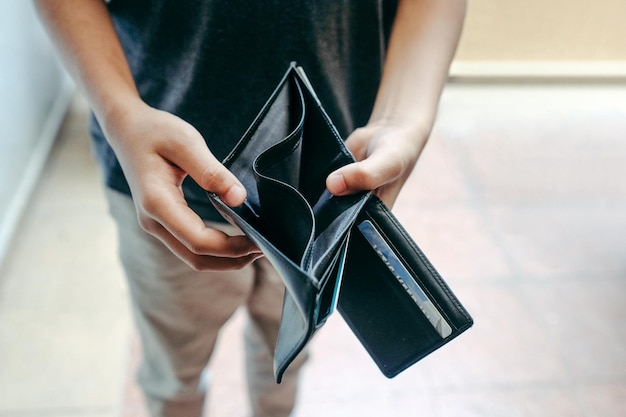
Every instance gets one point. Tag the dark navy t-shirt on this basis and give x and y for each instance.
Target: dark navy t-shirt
(213, 63)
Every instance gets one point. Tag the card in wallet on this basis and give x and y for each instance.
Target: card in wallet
(347, 252)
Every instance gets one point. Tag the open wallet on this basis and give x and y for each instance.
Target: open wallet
(348, 253)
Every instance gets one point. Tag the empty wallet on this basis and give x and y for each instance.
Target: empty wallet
(347, 252)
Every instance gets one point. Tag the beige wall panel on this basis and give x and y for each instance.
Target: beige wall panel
(544, 30)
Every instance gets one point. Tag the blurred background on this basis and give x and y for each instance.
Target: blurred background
(519, 200)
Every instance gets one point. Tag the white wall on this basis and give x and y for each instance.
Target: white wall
(34, 93)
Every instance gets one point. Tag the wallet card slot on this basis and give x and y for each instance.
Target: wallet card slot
(419, 265)
(279, 121)
(334, 217)
(286, 219)
(330, 284)
(397, 268)
(323, 150)
(281, 162)
(415, 274)
(380, 312)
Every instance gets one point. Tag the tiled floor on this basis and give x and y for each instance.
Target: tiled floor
(520, 202)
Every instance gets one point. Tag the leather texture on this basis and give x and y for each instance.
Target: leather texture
(310, 237)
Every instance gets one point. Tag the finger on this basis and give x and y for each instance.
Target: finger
(202, 262)
(357, 142)
(169, 211)
(195, 159)
(368, 174)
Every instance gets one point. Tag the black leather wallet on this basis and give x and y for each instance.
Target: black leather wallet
(347, 252)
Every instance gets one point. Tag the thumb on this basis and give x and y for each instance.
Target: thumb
(369, 174)
(196, 160)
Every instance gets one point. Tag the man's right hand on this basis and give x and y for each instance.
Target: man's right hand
(157, 150)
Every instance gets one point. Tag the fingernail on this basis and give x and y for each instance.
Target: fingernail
(235, 195)
(336, 184)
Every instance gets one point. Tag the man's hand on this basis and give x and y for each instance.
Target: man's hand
(421, 47)
(157, 150)
(385, 154)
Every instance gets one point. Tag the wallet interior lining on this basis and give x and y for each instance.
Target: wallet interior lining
(284, 172)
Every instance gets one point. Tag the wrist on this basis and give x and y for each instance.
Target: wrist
(116, 111)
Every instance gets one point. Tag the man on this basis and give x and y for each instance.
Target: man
(173, 85)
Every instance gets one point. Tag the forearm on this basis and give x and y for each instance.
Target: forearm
(422, 44)
(88, 45)
(156, 149)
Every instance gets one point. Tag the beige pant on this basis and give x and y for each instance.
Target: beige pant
(179, 312)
